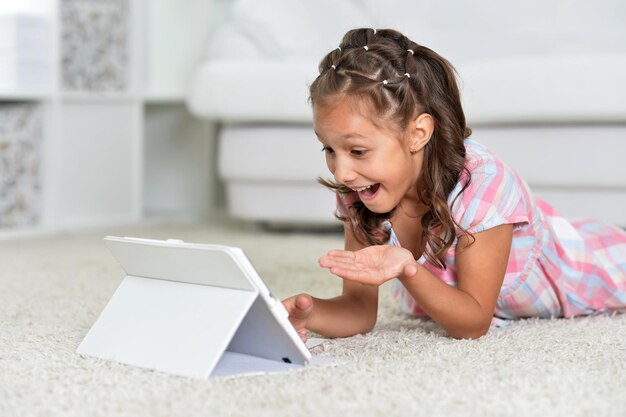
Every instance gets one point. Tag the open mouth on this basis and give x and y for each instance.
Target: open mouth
(369, 192)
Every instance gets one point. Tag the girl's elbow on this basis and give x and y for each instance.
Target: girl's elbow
(367, 326)
(367, 321)
(470, 333)
(367, 318)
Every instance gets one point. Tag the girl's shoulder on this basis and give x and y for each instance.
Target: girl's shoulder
(485, 167)
(495, 194)
(479, 157)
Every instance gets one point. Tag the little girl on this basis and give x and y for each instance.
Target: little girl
(458, 230)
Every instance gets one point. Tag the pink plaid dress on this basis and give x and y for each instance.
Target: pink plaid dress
(556, 268)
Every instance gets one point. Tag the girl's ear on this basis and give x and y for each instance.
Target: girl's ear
(420, 131)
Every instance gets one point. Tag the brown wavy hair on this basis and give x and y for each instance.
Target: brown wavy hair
(372, 66)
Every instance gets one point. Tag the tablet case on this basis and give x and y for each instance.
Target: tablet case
(195, 310)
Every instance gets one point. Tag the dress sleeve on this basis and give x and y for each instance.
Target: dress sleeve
(496, 195)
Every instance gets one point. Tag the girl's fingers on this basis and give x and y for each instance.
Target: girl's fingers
(332, 258)
(341, 254)
(349, 270)
(346, 265)
(303, 334)
(356, 276)
(328, 261)
(345, 270)
(344, 273)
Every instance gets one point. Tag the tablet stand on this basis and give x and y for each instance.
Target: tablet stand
(164, 315)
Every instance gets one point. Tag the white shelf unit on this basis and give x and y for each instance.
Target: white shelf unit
(92, 148)
(112, 157)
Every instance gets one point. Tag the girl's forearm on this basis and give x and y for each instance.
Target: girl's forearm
(341, 316)
(455, 310)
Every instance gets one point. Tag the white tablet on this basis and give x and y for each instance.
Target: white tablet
(191, 309)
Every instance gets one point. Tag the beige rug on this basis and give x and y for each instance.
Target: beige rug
(53, 288)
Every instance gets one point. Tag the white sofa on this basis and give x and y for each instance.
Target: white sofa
(543, 85)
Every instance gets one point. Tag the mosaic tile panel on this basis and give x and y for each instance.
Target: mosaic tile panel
(21, 141)
(94, 45)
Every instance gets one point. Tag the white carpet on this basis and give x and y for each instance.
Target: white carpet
(52, 289)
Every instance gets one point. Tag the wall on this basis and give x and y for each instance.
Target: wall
(180, 181)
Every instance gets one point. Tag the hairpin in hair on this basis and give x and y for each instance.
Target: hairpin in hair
(385, 82)
(366, 48)
(339, 47)
(333, 67)
(407, 75)
(374, 31)
(411, 51)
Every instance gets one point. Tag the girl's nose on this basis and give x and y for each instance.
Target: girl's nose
(344, 173)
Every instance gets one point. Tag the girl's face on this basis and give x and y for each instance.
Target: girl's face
(371, 159)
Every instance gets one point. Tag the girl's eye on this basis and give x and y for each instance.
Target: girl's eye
(327, 149)
(358, 152)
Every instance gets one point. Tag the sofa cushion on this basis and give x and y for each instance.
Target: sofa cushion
(566, 88)
(518, 63)
(546, 156)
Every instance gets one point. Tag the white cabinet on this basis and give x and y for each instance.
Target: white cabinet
(90, 154)
(116, 139)
(25, 53)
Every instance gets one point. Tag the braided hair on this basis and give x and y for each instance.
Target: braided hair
(400, 79)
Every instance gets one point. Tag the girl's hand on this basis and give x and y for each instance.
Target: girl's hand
(299, 308)
(373, 265)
